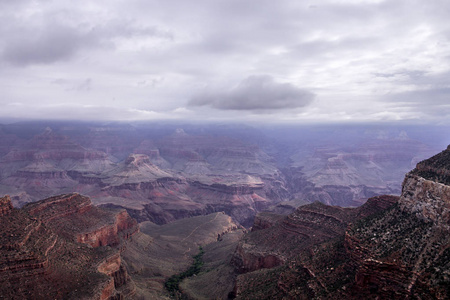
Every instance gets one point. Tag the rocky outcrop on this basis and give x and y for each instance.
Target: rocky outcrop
(123, 227)
(248, 261)
(279, 239)
(120, 280)
(436, 168)
(59, 206)
(400, 253)
(265, 220)
(53, 248)
(391, 247)
(306, 254)
(167, 199)
(25, 247)
(426, 199)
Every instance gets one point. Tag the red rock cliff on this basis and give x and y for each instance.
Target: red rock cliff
(40, 256)
(110, 234)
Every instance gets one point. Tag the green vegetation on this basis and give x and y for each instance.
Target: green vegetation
(172, 284)
(216, 279)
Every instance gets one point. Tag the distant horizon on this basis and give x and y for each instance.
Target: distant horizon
(433, 134)
(9, 121)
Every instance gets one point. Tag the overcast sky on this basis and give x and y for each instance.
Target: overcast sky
(261, 60)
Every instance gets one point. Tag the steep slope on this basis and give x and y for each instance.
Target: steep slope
(63, 248)
(436, 168)
(387, 248)
(158, 252)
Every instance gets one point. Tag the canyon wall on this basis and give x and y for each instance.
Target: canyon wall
(56, 248)
(390, 247)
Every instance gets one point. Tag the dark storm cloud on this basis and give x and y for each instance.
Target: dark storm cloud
(256, 93)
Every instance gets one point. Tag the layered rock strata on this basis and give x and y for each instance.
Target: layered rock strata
(390, 247)
(45, 252)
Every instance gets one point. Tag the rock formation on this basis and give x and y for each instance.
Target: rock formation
(177, 176)
(162, 173)
(390, 247)
(53, 249)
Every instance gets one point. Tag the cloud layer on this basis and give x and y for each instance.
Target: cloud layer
(255, 93)
(369, 60)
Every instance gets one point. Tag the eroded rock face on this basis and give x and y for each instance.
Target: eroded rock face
(277, 239)
(436, 168)
(265, 220)
(249, 261)
(305, 253)
(41, 253)
(390, 247)
(124, 226)
(426, 199)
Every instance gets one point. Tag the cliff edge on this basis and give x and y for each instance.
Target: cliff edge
(390, 247)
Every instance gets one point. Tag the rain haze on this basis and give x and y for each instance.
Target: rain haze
(256, 61)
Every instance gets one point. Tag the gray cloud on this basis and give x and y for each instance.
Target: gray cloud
(85, 85)
(52, 34)
(430, 92)
(369, 58)
(256, 93)
(428, 99)
(48, 45)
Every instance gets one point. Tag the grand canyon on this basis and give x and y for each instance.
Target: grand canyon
(223, 211)
(201, 150)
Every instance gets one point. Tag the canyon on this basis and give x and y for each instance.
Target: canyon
(53, 247)
(136, 204)
(390, 247)
(67, 248)
(165, 172)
